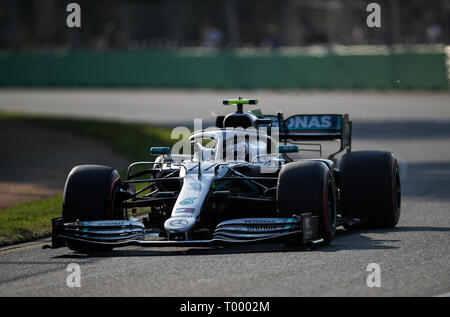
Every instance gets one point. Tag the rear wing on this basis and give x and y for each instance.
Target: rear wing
(315, 127)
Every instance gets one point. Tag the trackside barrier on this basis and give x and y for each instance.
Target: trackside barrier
(225, 70)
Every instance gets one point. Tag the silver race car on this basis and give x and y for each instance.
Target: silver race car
(253, 178)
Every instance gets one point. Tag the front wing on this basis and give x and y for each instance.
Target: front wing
(120, 233)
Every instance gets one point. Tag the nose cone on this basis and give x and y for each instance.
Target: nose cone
(179, 224)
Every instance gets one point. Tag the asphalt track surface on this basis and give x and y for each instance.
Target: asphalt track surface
(414, 257)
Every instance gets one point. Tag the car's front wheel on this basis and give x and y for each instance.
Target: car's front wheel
(91, 193)
(307, 186)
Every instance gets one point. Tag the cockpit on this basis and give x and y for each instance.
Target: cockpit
(224, 145)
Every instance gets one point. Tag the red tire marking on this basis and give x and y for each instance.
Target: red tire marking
(394, 193)
(115, 179)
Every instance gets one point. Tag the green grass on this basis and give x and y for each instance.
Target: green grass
(132, 140)
(28, 221)
(32, 220)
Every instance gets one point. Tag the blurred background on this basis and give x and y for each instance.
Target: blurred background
(225, 44)
(39, 25)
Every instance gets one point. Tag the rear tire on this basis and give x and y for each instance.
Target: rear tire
(307, 186)
(370, 187)
(90, 193)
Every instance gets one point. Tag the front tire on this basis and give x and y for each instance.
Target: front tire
(91, 193)
(307, 186)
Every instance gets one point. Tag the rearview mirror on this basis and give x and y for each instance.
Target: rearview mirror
(160, 150)
(288, 148)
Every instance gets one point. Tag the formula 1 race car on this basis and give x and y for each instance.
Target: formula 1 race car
(246, 182)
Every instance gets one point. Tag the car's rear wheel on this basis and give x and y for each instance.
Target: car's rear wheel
(307, 186)
(370, 187)
(91, 193)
